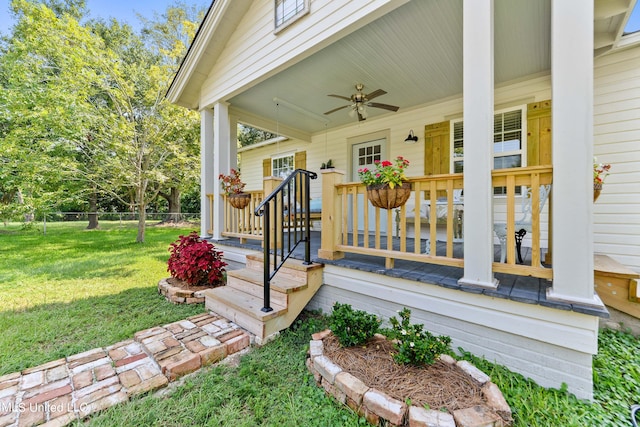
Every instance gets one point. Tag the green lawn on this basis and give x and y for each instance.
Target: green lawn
(72, 290)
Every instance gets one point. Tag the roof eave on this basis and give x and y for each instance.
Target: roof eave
(219, 23)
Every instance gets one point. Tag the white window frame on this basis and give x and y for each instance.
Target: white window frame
(522, 152)
(523, 146)
(299, 9)
(274, 159)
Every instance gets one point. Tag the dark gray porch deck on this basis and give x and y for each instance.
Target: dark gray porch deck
(524, 289)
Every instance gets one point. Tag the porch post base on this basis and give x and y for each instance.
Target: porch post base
(493, 284)
(570, 299)
(330, 255)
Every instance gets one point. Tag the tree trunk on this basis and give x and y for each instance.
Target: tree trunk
(175, 209)
(142, 221)
(93, 210)
(141, 201)
(28, 217)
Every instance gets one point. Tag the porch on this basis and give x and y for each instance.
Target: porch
(373, 260)
(358, 237)
(524, 289)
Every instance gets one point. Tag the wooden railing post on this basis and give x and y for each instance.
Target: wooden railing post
(210, 219)
(331, 214)
(269, 184)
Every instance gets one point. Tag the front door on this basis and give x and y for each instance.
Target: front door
(364, 155)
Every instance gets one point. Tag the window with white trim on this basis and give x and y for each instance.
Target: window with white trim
(289, 11)
(282, 166)
(509, 146)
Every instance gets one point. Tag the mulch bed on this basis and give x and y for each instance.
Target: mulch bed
(184, 285)
(437, 386)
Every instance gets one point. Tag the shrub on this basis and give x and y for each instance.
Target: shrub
(416, 346)
(352, 327)
(196, 261)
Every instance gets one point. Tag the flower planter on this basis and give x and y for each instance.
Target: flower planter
(240, 200)
(596, 191)
(384, 197)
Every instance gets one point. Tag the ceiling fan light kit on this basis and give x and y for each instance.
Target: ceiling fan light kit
(360, 101)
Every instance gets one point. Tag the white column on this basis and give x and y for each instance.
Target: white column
(221, 161)
(478, 142)
(207, 179)
(572, 118)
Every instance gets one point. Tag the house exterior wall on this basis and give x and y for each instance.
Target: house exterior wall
(549, 346)
(334, 144)
(617, 141)
(254, 52)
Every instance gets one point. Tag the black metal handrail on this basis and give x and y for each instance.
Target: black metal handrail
(295, 224)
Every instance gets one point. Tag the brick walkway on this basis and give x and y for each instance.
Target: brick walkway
(59, 392)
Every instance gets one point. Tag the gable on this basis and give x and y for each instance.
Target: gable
(237, 47)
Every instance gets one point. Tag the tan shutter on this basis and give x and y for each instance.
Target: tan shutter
(539, 133)
(300, 160)
(437, 152)
(266, 167)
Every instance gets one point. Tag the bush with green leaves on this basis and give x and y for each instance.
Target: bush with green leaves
(415, 345)
(352, 327)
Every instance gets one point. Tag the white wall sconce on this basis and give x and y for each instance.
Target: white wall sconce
(411, 139)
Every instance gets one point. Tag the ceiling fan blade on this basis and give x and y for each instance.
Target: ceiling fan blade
(340, 96)
(375, 93)
(385, 106)
(336, 109)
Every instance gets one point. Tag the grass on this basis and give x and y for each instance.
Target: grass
(73, 290)
(271, 387)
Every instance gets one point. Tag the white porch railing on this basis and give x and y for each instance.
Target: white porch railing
(349, 227)
(240, 223)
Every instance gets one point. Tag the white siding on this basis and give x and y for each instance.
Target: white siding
(617, 141)
(254, 52)
(333, 144)
(550, 346)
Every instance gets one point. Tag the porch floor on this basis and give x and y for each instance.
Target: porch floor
(525, 289)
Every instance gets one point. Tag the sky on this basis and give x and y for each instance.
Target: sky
(122, 10)
(126, 10)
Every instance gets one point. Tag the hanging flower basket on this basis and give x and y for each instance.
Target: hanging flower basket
(384, 197)
(239, 200)
(597, 188)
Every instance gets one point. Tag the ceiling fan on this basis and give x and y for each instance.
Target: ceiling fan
(359, 102)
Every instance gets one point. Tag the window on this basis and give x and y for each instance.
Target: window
(508, 144)
(289, 11)
(368, 155)
(282, 166)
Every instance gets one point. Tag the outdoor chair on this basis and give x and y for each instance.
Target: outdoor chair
(523, 225)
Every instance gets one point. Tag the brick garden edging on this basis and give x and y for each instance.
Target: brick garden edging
(377, 406)
(59, 392)
(178, 295)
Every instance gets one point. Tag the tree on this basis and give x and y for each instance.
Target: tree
(168, 35)
(48, 71)
(83, 113)
(248, 135)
